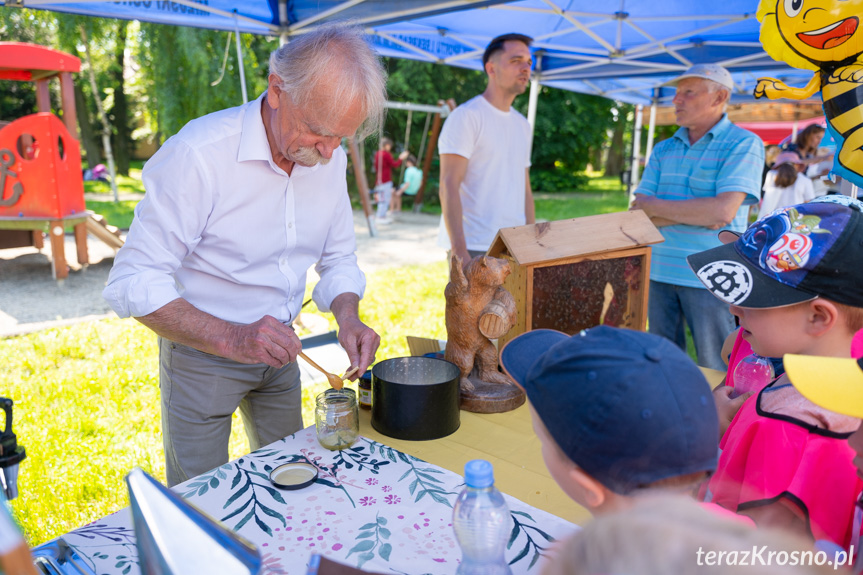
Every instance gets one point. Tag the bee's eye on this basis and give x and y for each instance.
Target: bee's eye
(792, 7)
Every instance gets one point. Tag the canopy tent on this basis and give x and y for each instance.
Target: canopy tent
(625, 49)
(622, 49)
(269, 17)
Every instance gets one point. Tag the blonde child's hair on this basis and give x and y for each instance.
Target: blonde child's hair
(662, 535)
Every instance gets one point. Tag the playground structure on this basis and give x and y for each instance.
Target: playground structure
(41, 185)
(435, 115)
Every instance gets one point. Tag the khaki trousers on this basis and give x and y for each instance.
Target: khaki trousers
(200, 393)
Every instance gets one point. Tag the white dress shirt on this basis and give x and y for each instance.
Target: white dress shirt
(225, 228)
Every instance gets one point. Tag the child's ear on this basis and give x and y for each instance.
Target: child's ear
(823, 316)
(593, 493)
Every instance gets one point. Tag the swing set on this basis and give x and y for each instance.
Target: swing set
(434, 116)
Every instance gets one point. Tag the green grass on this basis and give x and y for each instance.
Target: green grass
(125, 184)
(87, 400)
(551, 207)
(118, 214)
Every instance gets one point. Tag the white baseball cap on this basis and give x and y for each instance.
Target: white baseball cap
(713, 72)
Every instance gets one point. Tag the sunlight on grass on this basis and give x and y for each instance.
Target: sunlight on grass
(87, 400)
(554, 207)
(118, 214)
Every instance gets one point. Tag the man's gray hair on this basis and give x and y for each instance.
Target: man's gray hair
(337, 52)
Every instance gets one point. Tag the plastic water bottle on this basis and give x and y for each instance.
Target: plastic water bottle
(751, 374)
(482, 522)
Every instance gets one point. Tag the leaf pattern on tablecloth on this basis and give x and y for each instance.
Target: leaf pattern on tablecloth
(245, 488)
(203, 483)
(372, 506)
(519, 528)
(367, 547)
(347, 458)
(117, 547)
(424, 482)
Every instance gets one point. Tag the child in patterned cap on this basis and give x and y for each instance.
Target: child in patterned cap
(795, 281)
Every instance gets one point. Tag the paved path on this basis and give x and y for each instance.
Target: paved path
(30, 300)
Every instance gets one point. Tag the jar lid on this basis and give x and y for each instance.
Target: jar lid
(294, 475)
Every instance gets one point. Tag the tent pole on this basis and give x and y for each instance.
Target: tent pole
(531, 109)
(533, 99)
(650, 130)
(636, 148)
(435, 132)
(240, 59)
(362, 183)
(283, 22)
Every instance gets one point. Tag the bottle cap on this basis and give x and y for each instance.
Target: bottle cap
(478, 474)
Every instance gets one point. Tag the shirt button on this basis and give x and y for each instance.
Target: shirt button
(290, 224)
(283, 262)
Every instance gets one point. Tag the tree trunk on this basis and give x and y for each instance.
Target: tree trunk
(106, 127)
(596, 158)
(122, 136)
(616, 153)
(88, 136)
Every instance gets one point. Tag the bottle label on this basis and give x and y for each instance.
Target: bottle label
(365, 397)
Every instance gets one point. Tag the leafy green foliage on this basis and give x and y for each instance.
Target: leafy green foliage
(179, 64)
(568, 127)
(556, 180)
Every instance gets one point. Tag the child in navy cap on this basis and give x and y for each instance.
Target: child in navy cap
(795, 281)
(619, 413)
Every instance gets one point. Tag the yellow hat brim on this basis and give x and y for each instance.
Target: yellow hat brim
(834, 383)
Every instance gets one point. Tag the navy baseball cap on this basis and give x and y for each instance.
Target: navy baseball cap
(794, 254)
(629, 408)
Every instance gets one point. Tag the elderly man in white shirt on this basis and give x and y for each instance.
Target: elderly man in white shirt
(239, 205)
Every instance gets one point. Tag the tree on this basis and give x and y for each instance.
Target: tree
(568, 125)
(121, 140)
(179, 65)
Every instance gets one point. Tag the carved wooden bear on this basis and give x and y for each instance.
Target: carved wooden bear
(470, 294)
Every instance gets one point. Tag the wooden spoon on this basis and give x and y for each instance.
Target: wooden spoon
(336, 382)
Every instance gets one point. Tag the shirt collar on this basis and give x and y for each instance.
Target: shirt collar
(721, 126)
(253, 140)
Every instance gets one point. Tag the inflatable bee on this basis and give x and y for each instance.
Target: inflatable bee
(824, 36)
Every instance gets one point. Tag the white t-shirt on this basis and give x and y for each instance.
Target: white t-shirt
(497, 145)
(775, 198)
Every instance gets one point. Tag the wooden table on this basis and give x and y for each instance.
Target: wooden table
(508, 441)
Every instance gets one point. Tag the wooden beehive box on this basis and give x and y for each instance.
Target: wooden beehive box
(574, 274)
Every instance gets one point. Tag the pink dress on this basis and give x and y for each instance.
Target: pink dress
(780, 445)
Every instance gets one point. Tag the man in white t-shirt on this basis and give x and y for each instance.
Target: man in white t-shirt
(485, 155)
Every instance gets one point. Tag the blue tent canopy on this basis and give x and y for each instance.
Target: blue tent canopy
(273, 17)
(622, 49)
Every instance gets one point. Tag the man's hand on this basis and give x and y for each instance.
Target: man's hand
(358, 340)
(727, 408)
(404, 155)
(642, 202)
(710, 212)
(265, 341)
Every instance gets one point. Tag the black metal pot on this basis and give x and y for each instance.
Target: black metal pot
(415, 398)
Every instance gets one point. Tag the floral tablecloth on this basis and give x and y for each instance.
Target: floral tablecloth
(372, 507)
